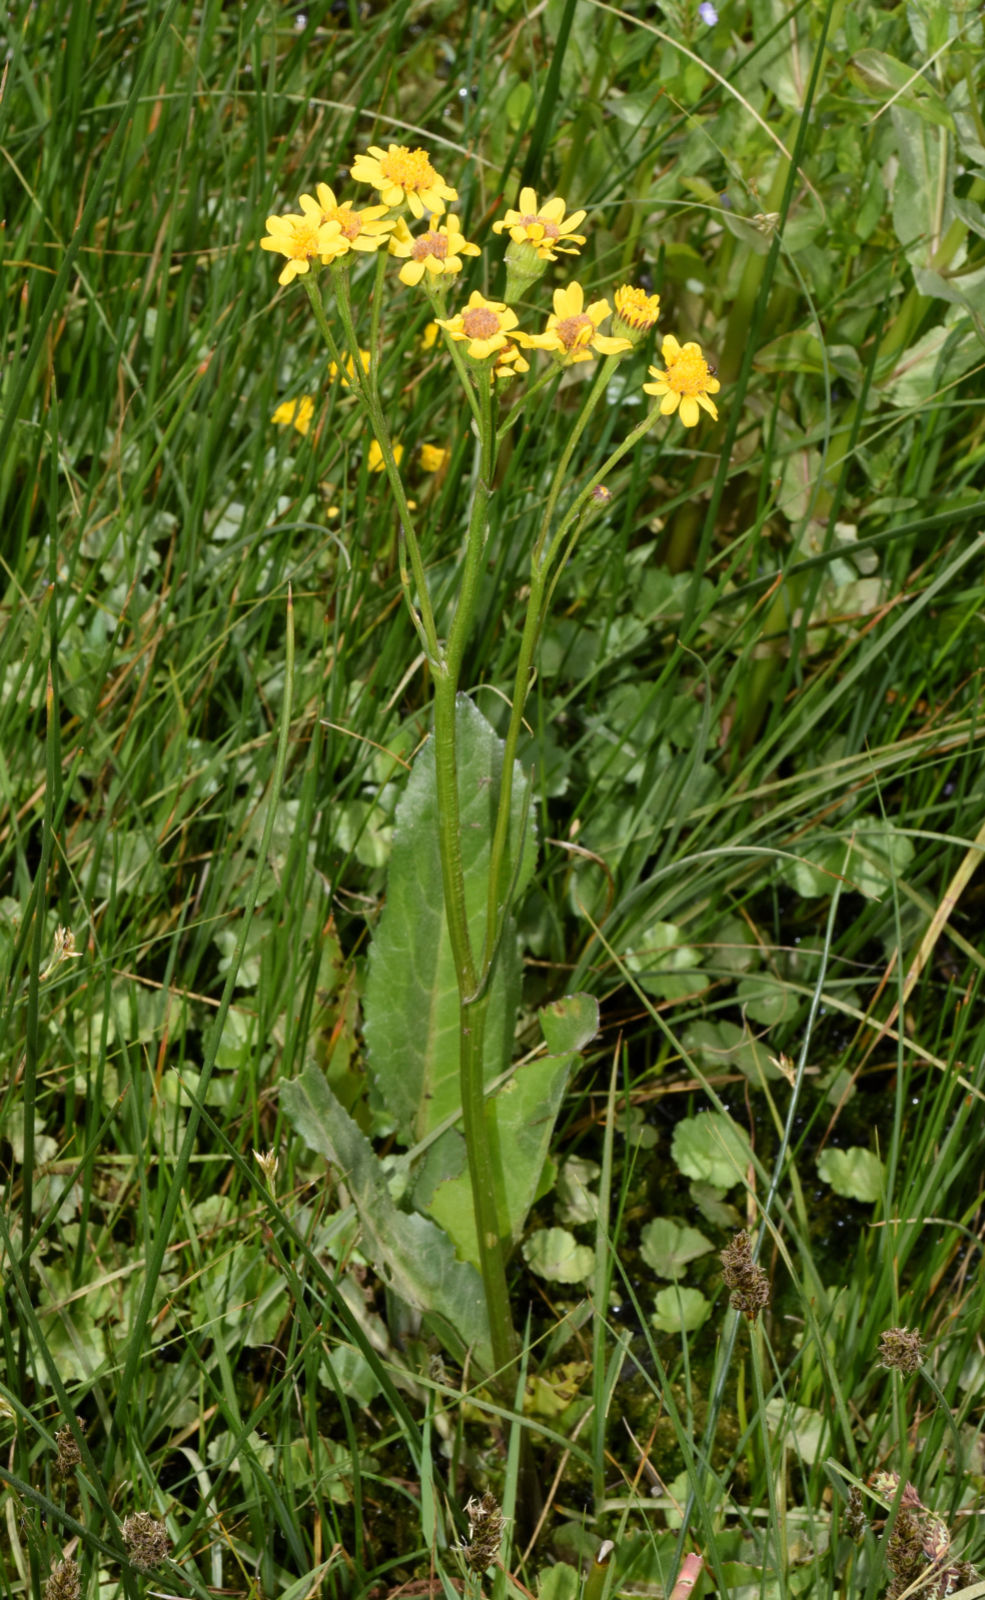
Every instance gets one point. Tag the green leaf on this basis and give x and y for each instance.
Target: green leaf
(555, 1254)
(856, 1173)
(797, 1425)
(680, 1310)
(667, 1247)
(559, 1582)
(569, 1023)
(411, 1004)
(520, 1117)
(879, 855)
(712, 1148)
(721, 1045)
(768, 1000)
(412, 1255)
(665, 965)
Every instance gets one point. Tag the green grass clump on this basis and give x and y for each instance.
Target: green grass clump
(754, 735)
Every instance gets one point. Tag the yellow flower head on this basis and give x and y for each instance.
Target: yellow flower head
(572, 332)
(687, 382)
(365, 229)
(298, 412)
(508, 363)
(374, 458)
(485, 324)
(434, 457)
(545, 227)
(636, 311)
(302, 237)
(349, 368)
(437, 252)
(401, 174)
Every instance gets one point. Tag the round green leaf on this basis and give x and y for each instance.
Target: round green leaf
(712, 1148)
(555, 1254)
(856, 1173)
(680, 1310)
(667, 1247)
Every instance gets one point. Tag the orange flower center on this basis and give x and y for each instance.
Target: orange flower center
(549, 230)
(431, 244)
(480, 323)
(575, 332)
(304, 240)
(347, 219)
(688, 373)
(411, 169)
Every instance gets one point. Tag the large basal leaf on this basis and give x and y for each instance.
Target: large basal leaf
(411, 1004)
(520, 1117)
(411, 1254)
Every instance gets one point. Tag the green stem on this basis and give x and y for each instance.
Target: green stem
(450, 836)
(561, 471)
(422, 614)
(541, 589)
(446, 666)
(577, 505)
(496, 908)
(491, 1228)
(476, 539)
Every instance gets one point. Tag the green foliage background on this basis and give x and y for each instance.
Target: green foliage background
(754, 741)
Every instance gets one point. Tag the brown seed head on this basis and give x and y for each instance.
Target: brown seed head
(146, 1540)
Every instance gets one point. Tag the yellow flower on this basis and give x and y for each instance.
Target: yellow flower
(485, 324)
(401, 174)
(374, 459)
(437, 252)
(434, 457)
(349, 367)
(302, 237)
(636, 311)
(687, 382)
(508, 363)
(366, 229)
(429, 336)
(298, 412)
(572, 332)
(543, 226)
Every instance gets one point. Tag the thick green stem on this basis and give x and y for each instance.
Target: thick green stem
(450, 834)
(492, 1230)
(476, 540)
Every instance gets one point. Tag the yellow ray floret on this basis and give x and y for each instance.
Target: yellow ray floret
(636, 311)
(686, 383)
(436, 253)
(486, 325)
(362, 228)
(572, 332)
(544, 226)
(296, 412)
(302, 237)
(403, 175)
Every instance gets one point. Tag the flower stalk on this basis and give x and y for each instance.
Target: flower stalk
(486, 346)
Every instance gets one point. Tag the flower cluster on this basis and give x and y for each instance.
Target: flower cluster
(918, 1549)
(486, 1527)
(328, 231)
(145, 1539)
(902, 1349)
(748, 1282)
